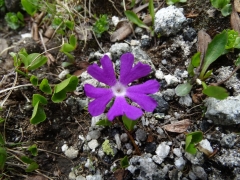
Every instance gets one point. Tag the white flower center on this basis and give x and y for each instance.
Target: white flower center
(119, 89)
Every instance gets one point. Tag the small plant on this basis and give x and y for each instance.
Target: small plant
(134, 18)
(171, 2)
(107, 148)
(101, 25)
(221, 44)
(14, 21)
(192, 139)
(223, 5)
(31, 6)
(124, 163)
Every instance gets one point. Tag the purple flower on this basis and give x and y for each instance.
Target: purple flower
(119, 89)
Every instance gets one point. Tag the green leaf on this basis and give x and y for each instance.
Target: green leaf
(70, 25)
(151, 10)
(38, 114)
(23, 58)
(134, 19)
(45, 87)
(38, 98)
(129, 123)
(124, 163)
(196, 136)
(1, 120)
(219, 4)
(73, 41)
(183, 89)
(104, 122)
(34, 80)
(3, 157)
(36, 60)
(216, 92)
(32, 167)
(20, 16)
(226, 10)
(67, 48)
(62, 88)
(215, 49)
(29, 6)
(66, 64)
(33, 150)
(208, 74)
(237, 62)
(195, 62)
(68, 84)
(26, 159)
(191, 149)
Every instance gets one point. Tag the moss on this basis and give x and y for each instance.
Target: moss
(107, 148)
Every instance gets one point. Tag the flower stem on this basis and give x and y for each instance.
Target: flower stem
(137, 150)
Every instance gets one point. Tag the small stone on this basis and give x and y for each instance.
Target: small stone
(94, 177)
(159, 115)
(229, 158)
(63, 74)
(159, 74)
(118, 49)
(228, 140)
(197, 159)
(145, 41)
(199, 172)
(162, 150)
(164, 62)
(171, 80)
(150, 147)
(115, 20)
(124, 137)
(64, 147)
(80, 178)
(205, 144)
(141, 135)
(94, 134)
(72, 176)
(185, 100)
(177, 152)
(71, 153)
(162, 105)
(93, 144)
(180, 163)
(157, 159)
(168, 94)
(189, 34)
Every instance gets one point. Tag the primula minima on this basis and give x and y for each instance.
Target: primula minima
(120, 89)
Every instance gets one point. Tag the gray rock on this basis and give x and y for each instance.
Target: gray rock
(146, 167)
(124, 137)
(94, 134)
(228, 140)
(232, 83)
(80, 178)
(159, 74)
(177, 152)
(171, 80)
(199, 172)
(179, 163)
(94, 177)
(145, 41)
(185, 100)
(29, 44)
(169, 20)
(162, 150)
(162, 105)
(168, 94)
(118, 49)
(224, 112)
(141, 135)
(197, 159)
(189, 34)
(93, 144)
(229, 158)
(71, 153)
(72, 176)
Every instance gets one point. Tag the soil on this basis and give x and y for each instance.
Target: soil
(65, 122)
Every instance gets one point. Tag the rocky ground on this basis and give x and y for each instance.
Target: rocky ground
(70, 145)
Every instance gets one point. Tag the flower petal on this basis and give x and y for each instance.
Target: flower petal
(121, 107)
(128, 73)
(149, 87)
(105, 74)
(94, 92)
(97, 106)
(143, 100)
(127, 60)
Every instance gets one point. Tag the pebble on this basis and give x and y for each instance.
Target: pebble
(94, 177)
(199, 172)
(185, 100)
(163, 150)
(180, 163)
(72, 176)
(71, 153)
(228, 140)
(177, 152)
(93, 144)
(118, 49)
(162, 105)
(205, 144)
(141, 135)
(159, 74)
(124, 137)
(94, 134)
(80, 178)
(171, 80)
(168, 94)
(150, 147)
(64, 147)
(189, 34)
(63, 74)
